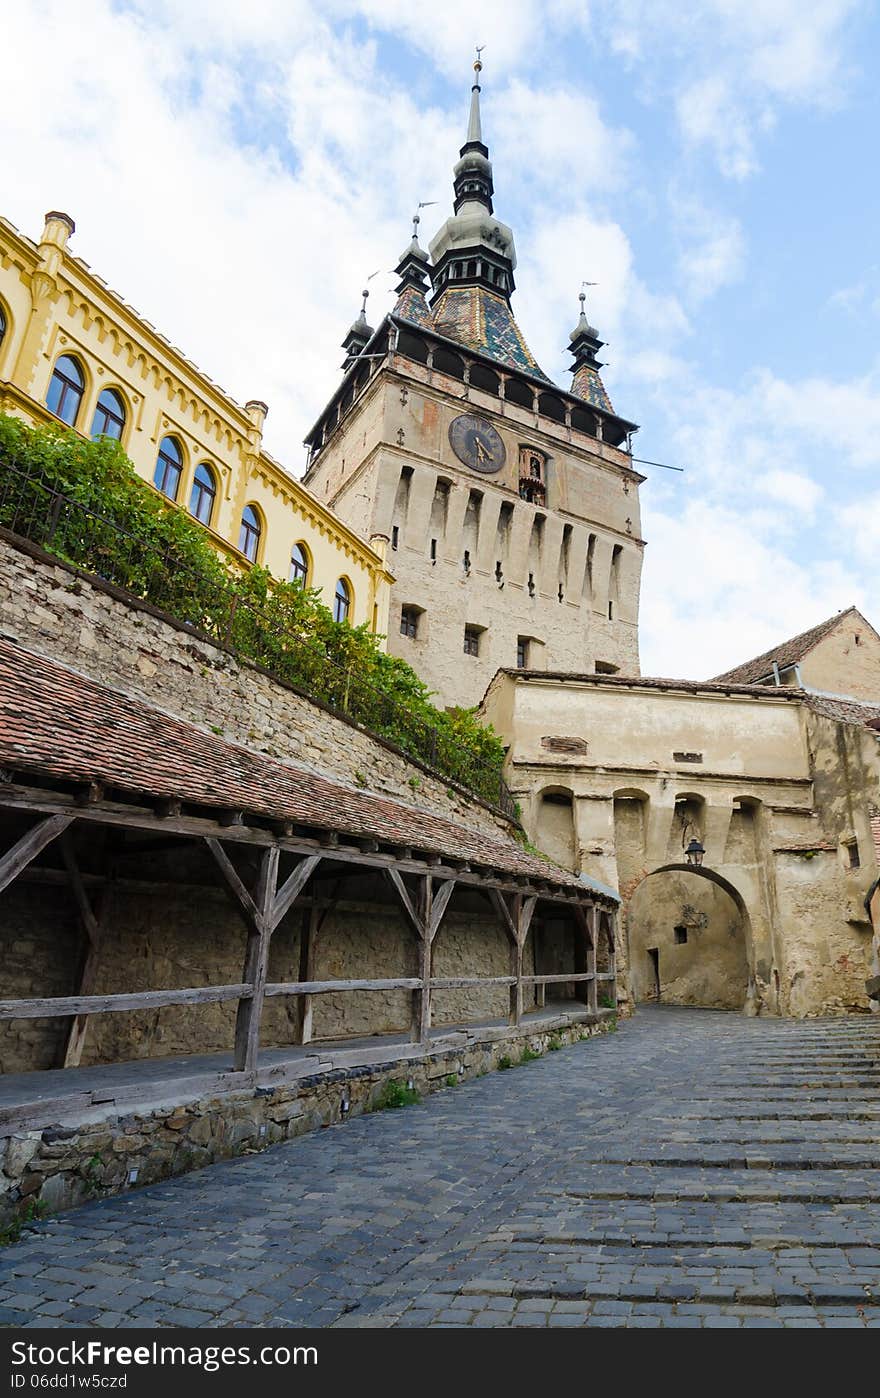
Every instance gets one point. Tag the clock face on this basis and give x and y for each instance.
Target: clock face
(477, 444)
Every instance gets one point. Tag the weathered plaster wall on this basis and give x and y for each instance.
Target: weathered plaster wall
(381, 471)
(711, 967)
(846, 661)
(56, 613)
(777, 794)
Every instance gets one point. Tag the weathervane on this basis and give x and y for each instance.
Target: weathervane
(423, 204)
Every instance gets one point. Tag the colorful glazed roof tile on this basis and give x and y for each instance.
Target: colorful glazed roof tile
(481, 320)
(587, 384)
(412, 306)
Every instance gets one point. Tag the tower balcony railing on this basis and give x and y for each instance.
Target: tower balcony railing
(102, 548)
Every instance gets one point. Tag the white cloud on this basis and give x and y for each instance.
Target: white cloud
(716, 592)
(732, 65)
(712, 246)
(236, 172)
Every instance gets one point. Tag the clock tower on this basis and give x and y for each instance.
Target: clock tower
(508, 506)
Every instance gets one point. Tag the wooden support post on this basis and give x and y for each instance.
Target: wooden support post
(256, 959)
(311, 922)
(611, 926)
(29, 846)
(91, 926)
(592, 929)
(516, 991)
(262, 915)
(425, 920)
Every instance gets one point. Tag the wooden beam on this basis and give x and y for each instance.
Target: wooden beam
(37, 800)
(394, 878)
(504, 913)
(29, 846)
(559, 979)
(63, 1006)
(462, 982)
(76, 1037)
(526, 913)
(439, 906)
(291, 888)
(234, 884)
(256, 959)
(306, 988)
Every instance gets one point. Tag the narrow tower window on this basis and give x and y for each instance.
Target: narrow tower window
(471, 641)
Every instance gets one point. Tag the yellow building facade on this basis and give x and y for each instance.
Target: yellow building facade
(74, 353)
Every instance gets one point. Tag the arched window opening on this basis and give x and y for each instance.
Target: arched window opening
(551, 407)
(66, 389)
(481, 377)
(109, 418)
(4, 324)
(341, 601)
(299, 566)
(249, 533)
(517, 392)
(412, 347)
(583, 421)
(169, 467)
(204, 493)
(448, 363)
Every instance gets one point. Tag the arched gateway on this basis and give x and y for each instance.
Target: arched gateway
(690, 939)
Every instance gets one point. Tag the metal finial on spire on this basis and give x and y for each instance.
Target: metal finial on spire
(417, 218)
(365, 293)
(475, 130)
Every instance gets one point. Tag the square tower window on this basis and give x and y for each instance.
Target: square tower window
(522, 652)
(471, 640)
(409, 622)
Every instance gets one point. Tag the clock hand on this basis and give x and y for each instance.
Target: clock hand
(480, 449)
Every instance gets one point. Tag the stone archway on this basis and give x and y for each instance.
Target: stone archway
(689, 936)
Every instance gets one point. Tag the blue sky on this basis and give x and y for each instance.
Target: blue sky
(236, 172)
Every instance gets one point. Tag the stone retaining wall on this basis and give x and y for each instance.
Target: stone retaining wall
(56, 611)
(99, 1152)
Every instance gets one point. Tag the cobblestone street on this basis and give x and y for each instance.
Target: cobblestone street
(694, 1168)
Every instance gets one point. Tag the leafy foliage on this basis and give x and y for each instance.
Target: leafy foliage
(83, 502)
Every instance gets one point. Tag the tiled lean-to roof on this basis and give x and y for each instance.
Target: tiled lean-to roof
(786, 654)
(482, 320)
(56, 724)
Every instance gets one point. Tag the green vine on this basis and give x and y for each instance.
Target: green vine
(112, 524)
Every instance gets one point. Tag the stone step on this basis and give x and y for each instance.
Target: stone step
(758, 1160)
(721, 1195)
(702, 1245)
(676, 1293)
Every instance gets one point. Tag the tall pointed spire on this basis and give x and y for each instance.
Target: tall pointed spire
(412, 269)
(475, 129)
(473, 174)
(584, 344)
(359, 335)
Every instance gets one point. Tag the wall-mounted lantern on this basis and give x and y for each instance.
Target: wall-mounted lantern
(694, 853)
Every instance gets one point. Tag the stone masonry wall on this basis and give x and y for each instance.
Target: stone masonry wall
(55, 611)
(169, 936)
